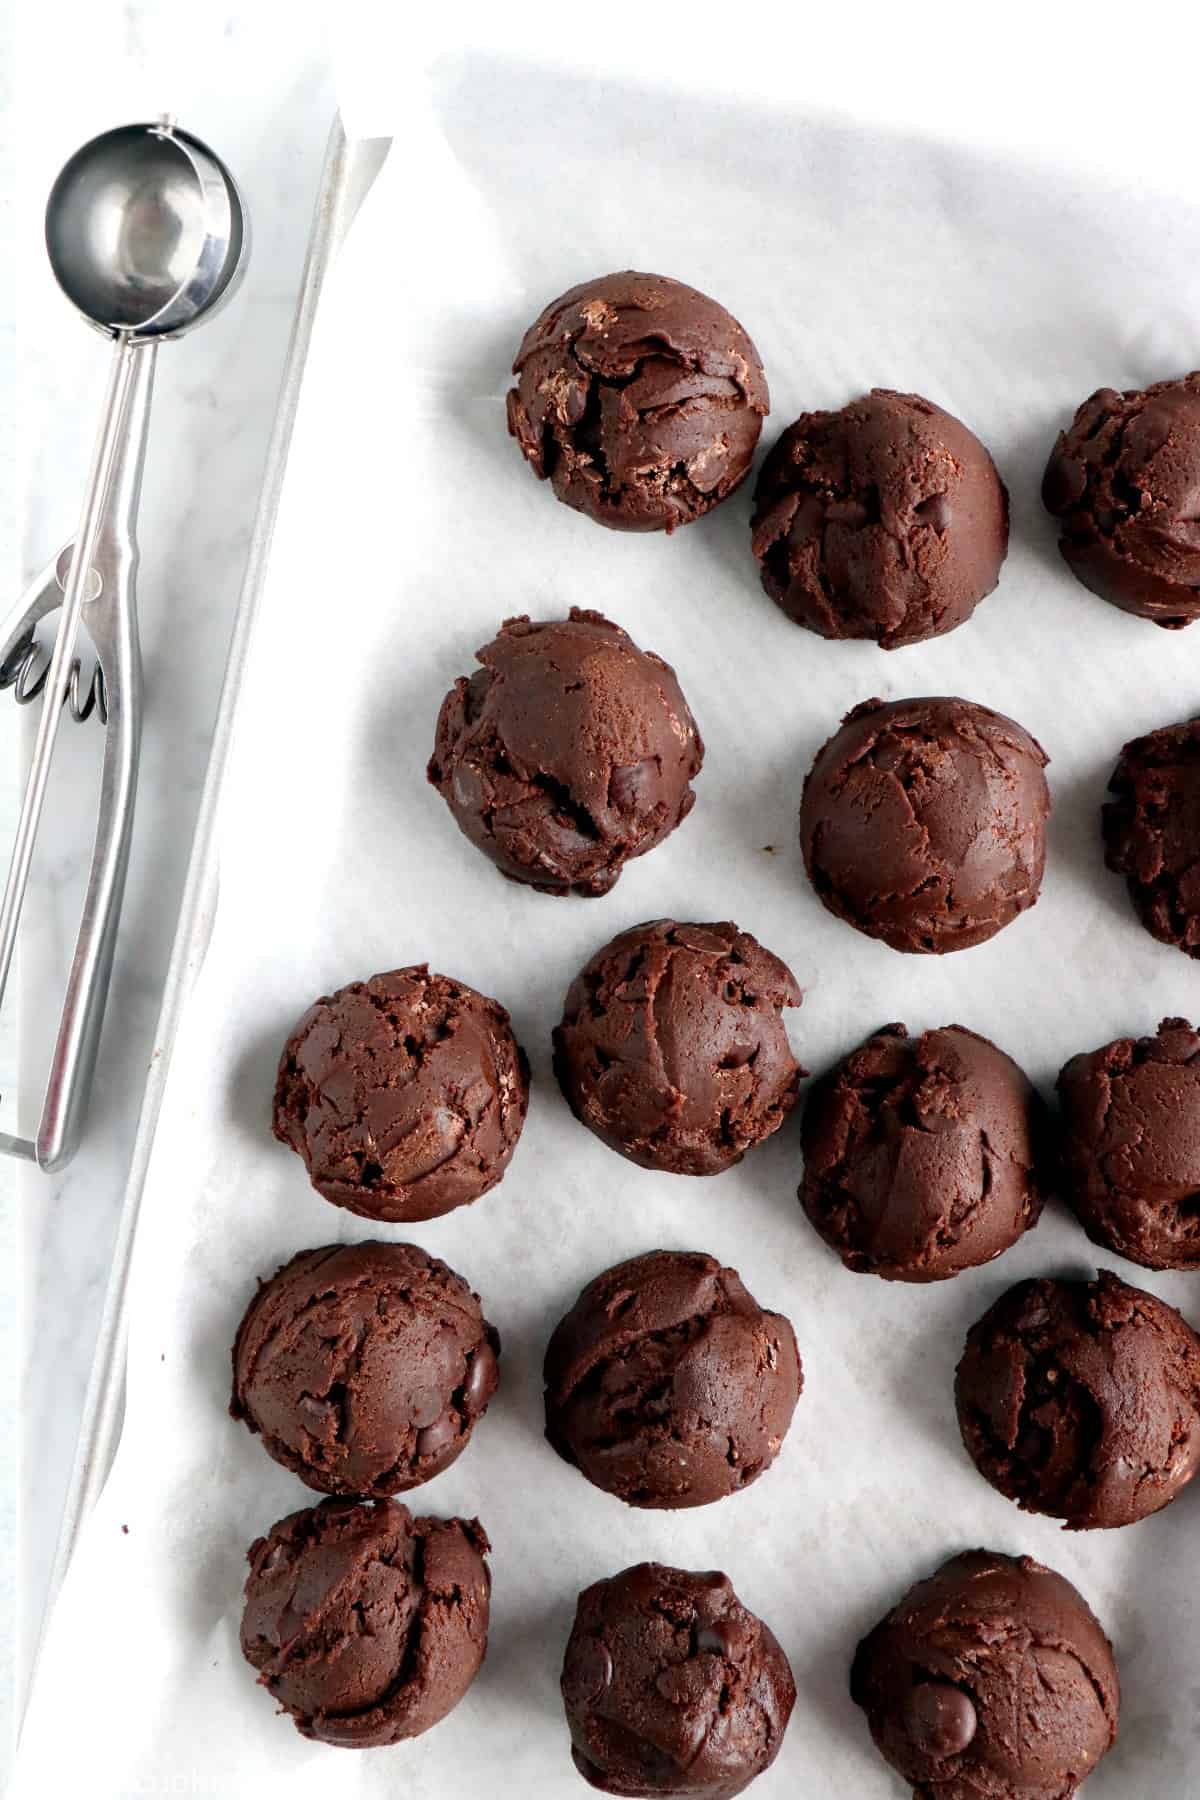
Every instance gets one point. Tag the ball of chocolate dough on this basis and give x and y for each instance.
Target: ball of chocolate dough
(1122, 480)
(1131, 1145)
(921, 1155)
(364, 1367)
(672, 1047)
(1081, 1399)
(672, 1687)
(569, 752)
(639, 399)
(667, 1384)
(886, 520)
(366, 1624)
(1152, 831)
(993, 1677)
(923, 822)
(405, 1095)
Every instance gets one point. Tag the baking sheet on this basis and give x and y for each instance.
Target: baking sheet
(408, 528)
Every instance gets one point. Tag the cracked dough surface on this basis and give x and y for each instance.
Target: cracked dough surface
(886, 520)
(672, 1047)
(1081, 1399)
(364, 1367)
(1131, 1145)
(567, 753)
(921, 1154)
(991, 1680)
(404, 1094)
(923, 822)
(671, 1686)
(1124, 481)
(366, 1625)
(1152, 831)
(667, 1384)
(639, 399)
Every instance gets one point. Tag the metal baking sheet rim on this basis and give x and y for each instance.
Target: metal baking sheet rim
(349, 169)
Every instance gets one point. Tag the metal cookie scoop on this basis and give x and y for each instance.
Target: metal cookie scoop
(146, 234)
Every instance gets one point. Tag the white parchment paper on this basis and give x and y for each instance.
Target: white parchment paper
(1004, 290)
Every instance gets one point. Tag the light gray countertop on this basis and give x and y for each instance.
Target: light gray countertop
(256, 84)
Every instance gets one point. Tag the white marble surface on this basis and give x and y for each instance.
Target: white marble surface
(255, 82)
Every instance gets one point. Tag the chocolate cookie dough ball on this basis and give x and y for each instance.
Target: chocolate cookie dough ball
(667, 1384)
(1152, 831)
(921, 1154)
(672, 1047)
(993, 1677)
(639, 399)
(364, 1367)
(672, 1687)
(365, 1624)
(923, 822)
(1123, 480)
(886, 520)
(569, 752)
(1131, 1145)
(405, 1095)
(1081, 1399)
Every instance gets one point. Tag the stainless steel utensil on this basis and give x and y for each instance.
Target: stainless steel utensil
(146, 234)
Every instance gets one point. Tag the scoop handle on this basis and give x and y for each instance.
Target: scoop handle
(104, 548)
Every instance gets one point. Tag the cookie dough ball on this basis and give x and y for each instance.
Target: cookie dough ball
(672, 1687)
(1152, 831)
(365, 1624)
(667, 1384)
(921, 1154)
(1131, 1145)
(639, 399)
(569, 752)
(405, 1095)
(923, 822)
(672, 1047)
(1123, 480)
(886, 520)
(993, 1677)
(364, 1367)
(1081, 1399)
